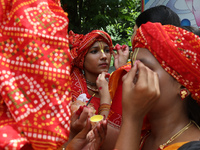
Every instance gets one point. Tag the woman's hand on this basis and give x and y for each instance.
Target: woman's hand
(102, 85)
(139, 95)
(105, 99)
(84, 142)
(78, 121)
(121, 57)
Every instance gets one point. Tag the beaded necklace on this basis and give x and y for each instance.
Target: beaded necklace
(92, 89)
(90, 83)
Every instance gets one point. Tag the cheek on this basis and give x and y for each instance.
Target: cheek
(109, 57)
(91, 61)
(168, 86)
(91, 58)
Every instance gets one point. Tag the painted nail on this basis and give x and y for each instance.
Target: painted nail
(79, 111)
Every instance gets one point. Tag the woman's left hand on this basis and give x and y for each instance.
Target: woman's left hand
(121, 56)
(102, 85)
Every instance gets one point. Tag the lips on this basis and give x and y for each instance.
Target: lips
(104, 65)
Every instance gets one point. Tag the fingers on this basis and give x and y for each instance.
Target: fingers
(102, 78)
(117, 47)
(129, 77)
(79, 118)
(156, 82)
(100, 131)
(114, 54)
(84, 115)
(107, 75)
(82, 134)
(76, 115)
(139, 96)
(121, 50)
(142, 75)
(125, 47)
(149, 80)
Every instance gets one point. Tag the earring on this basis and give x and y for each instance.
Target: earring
(184, 93)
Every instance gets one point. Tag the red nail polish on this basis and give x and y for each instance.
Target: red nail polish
(79, 111)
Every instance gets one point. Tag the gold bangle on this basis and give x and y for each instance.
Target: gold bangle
(104, 107)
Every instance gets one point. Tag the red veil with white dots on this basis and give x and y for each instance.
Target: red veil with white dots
(35, 79)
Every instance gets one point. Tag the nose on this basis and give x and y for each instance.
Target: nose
(103, 55)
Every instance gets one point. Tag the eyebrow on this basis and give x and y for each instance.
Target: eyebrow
(98, 47)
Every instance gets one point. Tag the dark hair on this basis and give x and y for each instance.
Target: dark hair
(194, 145)
(193, 109)
(192, 29)
(161, 14)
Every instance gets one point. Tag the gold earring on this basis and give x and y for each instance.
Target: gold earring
(184, 93)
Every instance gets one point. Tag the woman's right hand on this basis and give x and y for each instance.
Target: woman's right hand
(140, 96)
(78, 120)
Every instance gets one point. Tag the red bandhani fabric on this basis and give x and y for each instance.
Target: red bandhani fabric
(177, 51)
(80, 45)
(79, 86)
(35, 81)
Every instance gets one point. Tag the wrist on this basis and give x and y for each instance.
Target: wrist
(105, 101)
(104, 107)
(130, 118)
(105, 98)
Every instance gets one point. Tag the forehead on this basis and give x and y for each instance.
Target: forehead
(99, 43)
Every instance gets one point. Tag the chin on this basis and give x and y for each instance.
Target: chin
(104, 70)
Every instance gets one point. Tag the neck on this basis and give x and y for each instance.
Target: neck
(166, 124)
(91, 78)
(91, 84)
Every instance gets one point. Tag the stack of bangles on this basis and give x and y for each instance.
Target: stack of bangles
(104, 107)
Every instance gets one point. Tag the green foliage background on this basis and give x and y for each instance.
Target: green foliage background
(116, 17)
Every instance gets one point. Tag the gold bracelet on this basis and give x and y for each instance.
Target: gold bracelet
(104, 107)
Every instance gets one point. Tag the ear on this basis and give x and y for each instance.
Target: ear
(184, 92)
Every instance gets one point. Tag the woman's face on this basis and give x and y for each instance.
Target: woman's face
(169, 87)
(97, 59)
(134, 32)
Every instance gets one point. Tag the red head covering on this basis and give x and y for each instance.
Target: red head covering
(177, 51)
(80, 44)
